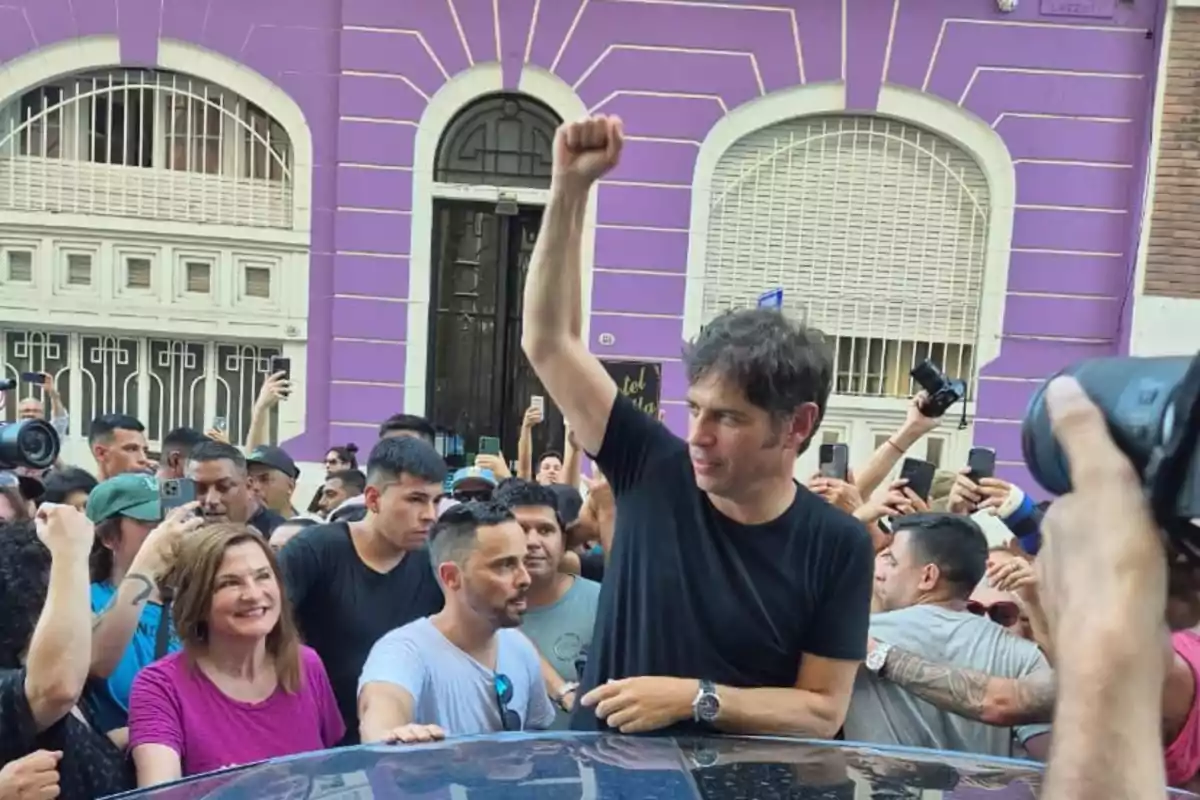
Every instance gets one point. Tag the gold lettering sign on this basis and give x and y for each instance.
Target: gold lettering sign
(640, 381)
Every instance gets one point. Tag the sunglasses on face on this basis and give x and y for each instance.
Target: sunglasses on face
(503, 688)
(1004, 612)
(480, 495)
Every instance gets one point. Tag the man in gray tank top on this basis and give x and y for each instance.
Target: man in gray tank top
(562, 607)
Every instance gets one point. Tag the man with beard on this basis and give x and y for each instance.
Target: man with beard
(733, 598)
(350, 583)
(467, 669)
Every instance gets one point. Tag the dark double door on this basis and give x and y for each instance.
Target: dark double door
(480, 382)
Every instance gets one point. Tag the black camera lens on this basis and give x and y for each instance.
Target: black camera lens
(1136, 396)
(32, 443)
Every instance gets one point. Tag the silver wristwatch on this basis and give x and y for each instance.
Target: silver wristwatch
(707, 705)
(877, 658)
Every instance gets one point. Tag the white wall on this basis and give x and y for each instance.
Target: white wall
(1165, 326)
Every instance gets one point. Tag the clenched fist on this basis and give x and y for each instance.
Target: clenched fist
(32, 777)
(585, 151)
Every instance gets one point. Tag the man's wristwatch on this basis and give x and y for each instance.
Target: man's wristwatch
(560, 696)
(707, 705)
(877, 659)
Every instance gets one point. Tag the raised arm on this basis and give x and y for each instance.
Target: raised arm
(551, 327)
(56, 668)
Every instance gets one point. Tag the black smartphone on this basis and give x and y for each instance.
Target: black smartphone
(175, 492)
(982, 463)
(489, 445)
(919, 475)
(284, 365)
(33, 377)
(834, 461)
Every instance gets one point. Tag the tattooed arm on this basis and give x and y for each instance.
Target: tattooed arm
(114, 626)
(972, 694)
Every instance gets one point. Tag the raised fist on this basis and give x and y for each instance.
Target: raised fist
(585, 151)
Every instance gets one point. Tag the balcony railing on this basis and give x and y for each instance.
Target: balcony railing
(150, 145)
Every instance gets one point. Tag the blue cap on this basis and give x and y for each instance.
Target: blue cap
(473, 474)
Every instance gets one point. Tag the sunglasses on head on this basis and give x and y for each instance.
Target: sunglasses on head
(503, 687)
(1004, 612)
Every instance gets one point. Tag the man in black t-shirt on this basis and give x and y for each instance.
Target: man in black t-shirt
(733, 598)
(222, 480)
(350, 583)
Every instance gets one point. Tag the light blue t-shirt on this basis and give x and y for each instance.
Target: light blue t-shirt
(109, 699)
(562, 632)
(454, 691)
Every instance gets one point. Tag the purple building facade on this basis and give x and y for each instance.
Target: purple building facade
(1044, 110)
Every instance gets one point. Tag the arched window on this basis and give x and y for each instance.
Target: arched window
(876, 230)
(147, 144)
(499, 140)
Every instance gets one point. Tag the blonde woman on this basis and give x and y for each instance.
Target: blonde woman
(243, 688)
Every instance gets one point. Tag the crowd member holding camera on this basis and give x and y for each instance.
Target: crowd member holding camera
(733, 598)
(46, 738)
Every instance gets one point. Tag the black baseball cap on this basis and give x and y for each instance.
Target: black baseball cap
(275, 458)
(30, 488)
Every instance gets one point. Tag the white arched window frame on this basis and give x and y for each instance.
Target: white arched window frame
(972, 135)
(94, 53)
(457, 93)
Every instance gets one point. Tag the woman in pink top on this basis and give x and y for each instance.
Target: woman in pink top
(243, 688)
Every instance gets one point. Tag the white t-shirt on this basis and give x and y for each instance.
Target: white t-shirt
(451, 689)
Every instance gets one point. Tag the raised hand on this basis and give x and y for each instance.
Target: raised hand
(64, 529)
(586, 151)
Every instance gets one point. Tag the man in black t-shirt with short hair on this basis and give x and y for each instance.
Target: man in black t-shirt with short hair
(733, 598)
(349, 583)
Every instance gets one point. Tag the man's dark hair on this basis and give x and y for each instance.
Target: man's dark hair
(404, 455)
(408, 422)
(218, 451)
(778, 364)
(517, 493)
(62, 483)
(956, 544)
(182, 440)
(453, 535)
(351, 479)
(24, 576)
(102, 427)
(549, 454)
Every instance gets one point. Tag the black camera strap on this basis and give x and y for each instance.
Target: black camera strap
(162, 634)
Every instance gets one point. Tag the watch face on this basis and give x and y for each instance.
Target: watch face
(708, 707)
(876, 659)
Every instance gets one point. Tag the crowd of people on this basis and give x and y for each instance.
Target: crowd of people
(685, 585)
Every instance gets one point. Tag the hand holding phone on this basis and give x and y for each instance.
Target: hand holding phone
(981, 462)
(834, 461)
(280, 364)
(919, 475)
(176, 492)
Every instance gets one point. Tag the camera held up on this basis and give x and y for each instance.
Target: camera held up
(941, 391)
(1152, 407)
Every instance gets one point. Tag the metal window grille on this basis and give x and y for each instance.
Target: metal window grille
(146, 144)
(877, 232)
(166, 383)
(20, 266)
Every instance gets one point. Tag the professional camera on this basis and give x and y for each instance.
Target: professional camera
(30, 443)
(1152, 406)
(940, 390)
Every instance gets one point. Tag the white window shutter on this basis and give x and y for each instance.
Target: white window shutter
(876, 230)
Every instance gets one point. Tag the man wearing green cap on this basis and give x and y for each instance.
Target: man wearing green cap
(129, 557)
